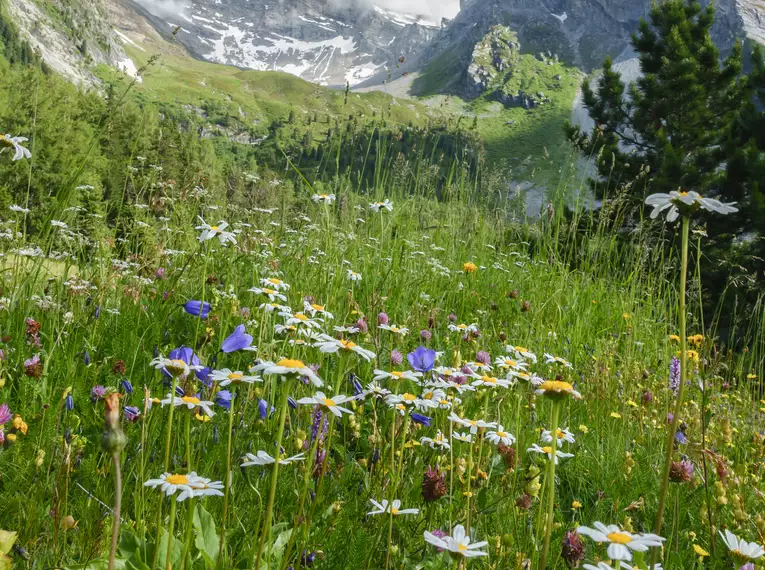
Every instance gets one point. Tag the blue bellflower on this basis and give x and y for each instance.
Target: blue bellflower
(197, 308)
(238, 340)
(422, 359)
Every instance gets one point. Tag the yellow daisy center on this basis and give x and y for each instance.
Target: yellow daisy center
(394, 510)
(275, 281)
(317, 307)
(502, 433)
(489, 380)
(177, 480)
(521, 349)
(301, 317)
(235, 376)
(409, 397)
(269, 291)
(619, 538)
(291, 363)
(329, 403)
(348, 345)
(510, 362)
(462, 547)
(177, 363)
(215, 228)
(191, 400)
(396, 374)
(556, 386)
(547, 449)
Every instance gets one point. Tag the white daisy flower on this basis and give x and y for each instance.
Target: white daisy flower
(274, 283)
(286, 367)
(563, 435)
(463, 328)
(396, 375)
(402, 331)
(263, 458)
(394, 509)
(313, 309)
(18, 209)
(438, 441)
(189, 485)
(375, 391)
(687, 202)
(174, 366)
(332, 404)
(547, 450)
(353, 276)
(458, 543)
(226, 377)
(521, 352)
(407, 399)
(464, 437)
(621, 543)
(272, 294)
(741, 548)
(209, 232)
(474, 425)
(323, 198)
(500, 436)
(384, 205)
(19, 151)
(331, 345)
(299, 319)
(191, 402)
(550, 359)
(491, 382)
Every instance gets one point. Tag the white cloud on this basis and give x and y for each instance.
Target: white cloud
(167, 9)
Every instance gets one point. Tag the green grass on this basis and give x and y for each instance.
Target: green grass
(606, 309)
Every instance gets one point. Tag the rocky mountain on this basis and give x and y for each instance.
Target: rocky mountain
(319, 41)
(579, 32)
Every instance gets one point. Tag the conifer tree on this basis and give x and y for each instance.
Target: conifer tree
(677, 125)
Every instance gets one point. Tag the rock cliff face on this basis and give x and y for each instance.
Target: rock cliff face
(578, 32)
(315, 40)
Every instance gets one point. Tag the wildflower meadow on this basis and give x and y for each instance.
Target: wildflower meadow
(368, 380)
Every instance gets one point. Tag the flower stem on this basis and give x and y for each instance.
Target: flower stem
(266, 529)
(117, 508)
(681, 389)
(228, 485)
(556, 406)
(168, 440)
(170, 530)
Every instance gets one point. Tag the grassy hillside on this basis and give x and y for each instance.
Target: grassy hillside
(529, 140)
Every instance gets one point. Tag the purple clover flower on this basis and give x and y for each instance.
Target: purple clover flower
(131, 413)
(5, 414)
(97, 393)
(396, 358)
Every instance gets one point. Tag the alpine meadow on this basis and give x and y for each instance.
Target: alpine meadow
(472, 285)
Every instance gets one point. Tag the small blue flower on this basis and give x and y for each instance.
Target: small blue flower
(223, 398)
(69, 402)
(238, 340)
(86, 358)
(681, 438)
(197, 308)
(263, 409)
(127, 386)
(179, 392)
(422, 359)
(420, 419)
(131, 413)
(291, 402)
(358, 389)
(98, 311)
